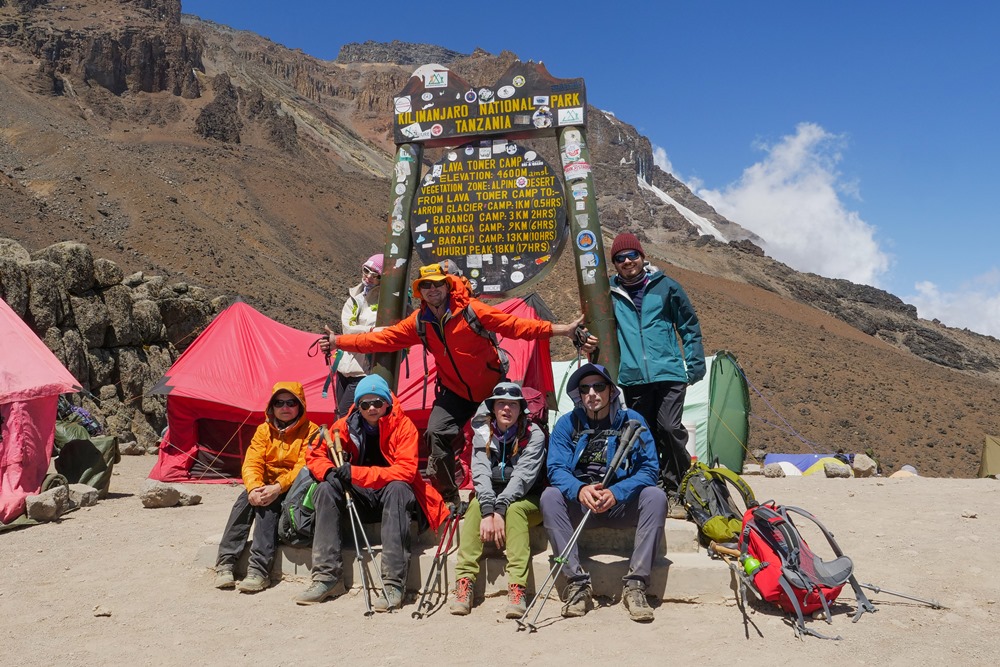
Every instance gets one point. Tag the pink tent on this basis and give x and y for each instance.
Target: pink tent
(216, 390)
(31, 379)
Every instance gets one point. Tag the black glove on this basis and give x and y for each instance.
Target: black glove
(342, 473)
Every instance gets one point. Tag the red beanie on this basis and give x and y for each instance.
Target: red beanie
(626, 241)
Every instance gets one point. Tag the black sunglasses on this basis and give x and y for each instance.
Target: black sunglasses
(597, 386)
(514, 391)
(376, 403)
(288, 403)
(626, 254)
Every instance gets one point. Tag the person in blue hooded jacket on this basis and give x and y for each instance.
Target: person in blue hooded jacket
(581, 447)
(652, 311)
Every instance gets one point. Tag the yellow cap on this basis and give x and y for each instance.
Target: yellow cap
(430, 272)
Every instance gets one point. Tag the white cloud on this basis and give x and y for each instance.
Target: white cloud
(792, 199)
(975, 306)
(661, 160)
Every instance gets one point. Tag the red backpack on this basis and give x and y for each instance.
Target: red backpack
(787, 572)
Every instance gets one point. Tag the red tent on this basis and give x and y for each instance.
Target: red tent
(216, 390)
(31, 379)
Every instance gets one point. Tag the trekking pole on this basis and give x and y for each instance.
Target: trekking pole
(933, 604)
(632, 431)
(437, 565)
(336, 454)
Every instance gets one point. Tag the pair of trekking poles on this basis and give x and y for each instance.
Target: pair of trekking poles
(336, 452)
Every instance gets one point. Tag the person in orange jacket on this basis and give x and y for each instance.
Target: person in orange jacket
(468, 366)
(275, 456)
(380, 471)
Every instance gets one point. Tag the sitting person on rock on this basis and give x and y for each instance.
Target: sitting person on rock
(582, 445)
(275, 456)
(508, 456)
(380, 471)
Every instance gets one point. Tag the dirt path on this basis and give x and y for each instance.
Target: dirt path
(137, 566)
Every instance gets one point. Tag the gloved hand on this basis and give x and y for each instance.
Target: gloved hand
(342, 473)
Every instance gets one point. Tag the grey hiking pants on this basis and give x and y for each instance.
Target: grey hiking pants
(394, 505)
(647, 512)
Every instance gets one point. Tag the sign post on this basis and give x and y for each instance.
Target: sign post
(492, 205)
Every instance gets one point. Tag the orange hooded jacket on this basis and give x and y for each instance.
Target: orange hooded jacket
(276, 455)
(398, 441)
(466, 362)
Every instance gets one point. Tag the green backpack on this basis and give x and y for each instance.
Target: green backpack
(706, 495)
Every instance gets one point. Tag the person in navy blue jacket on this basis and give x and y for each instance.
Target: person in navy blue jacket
(581, 447)
(652, 312)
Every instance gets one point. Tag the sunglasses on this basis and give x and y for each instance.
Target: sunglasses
(598, 387)
(370, 272)
(514, 392)
(627, 254)
(430, 284)
(376, 403)
(289, 403)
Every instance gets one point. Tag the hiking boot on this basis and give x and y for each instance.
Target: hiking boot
(579, 598)
(636, 604)
(391, 599)
(254, 582)
(517, 602)
(461, 604)
(675, 507)
(224, 579)
(319, 591)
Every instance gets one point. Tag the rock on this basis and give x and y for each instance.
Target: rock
(132, 448)
(752, 469)
(48, 506)
(969, 514)
(836, 470)
(13, 250)
(81, 495)
(759, 454)
(156, 494)
(13, 284)
(47, 301)
(75, 356)
(773, 470)
(148, 323)
(92, 319)
(133, 279)
(188, 497)
(107, 273)
(123, 330)
(76, 263)
(864, 466)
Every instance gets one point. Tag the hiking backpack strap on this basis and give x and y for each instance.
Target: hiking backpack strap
(725, 473)
(477, 327)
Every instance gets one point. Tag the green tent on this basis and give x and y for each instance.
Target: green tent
(728, 410)
(989, 466)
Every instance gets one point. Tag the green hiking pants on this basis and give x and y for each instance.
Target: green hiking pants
(521, 515)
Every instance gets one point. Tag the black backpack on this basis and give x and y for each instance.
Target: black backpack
(477, 327)
(295, 523)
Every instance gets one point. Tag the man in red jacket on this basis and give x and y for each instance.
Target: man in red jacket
(468, 366)
(380, 472)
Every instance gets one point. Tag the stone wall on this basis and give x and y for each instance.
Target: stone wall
(116, 334)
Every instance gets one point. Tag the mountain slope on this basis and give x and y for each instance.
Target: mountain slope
(226, 160)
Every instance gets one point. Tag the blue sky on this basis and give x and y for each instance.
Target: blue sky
(859, 138)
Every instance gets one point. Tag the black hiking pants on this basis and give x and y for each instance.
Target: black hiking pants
(265, 535)
(446, 439)
(394, 505)
(661, 404)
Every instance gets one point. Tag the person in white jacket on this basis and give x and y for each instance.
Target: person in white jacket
(358, 316)
(508, 456)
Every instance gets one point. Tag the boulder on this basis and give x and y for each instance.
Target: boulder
(13, 250)
(101, 366)
(13, 284)
(123, 331)
(107, 273)
(156, 494)
(752, 469)
(81, 495)
(831, 469)
(92, 319)
(131, 448)
(47, 300)
(188, 497)
(76, 263)
(864, 466)
(773, 470)
(75, 355)
(48, 506)
(148, 323)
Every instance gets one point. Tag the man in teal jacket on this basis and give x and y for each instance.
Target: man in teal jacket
(652, 311)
